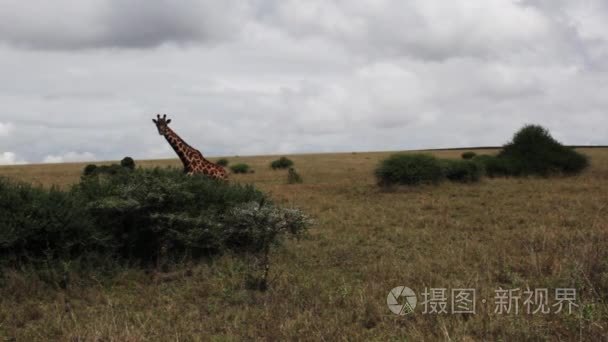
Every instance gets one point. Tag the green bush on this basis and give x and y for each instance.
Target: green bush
(89, 169)
(37, 223)
(293, 177)
(409, 169)
(281, 163)
(128, 163)
(468, 155)
(533, 151)
(465, 171)
(494, 166)
(138, 217)
(240, 168)
(111, 170)
(222, 162)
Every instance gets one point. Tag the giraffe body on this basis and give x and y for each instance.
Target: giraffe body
(193, 160)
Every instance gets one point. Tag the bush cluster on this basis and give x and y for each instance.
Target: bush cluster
(533, 151)
(37, 224)
(222, 162)
(139, 217)
(409, 169)
(465, 171)
(468, 155)
(281, 163)
(126, 164)
(240, 168)
(415, 169)
(496, 167)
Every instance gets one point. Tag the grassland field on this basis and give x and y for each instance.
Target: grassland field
(333, 284)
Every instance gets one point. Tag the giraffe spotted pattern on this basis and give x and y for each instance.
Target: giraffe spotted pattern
(193, 160)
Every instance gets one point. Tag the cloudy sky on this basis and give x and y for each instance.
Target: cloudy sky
(81, 80)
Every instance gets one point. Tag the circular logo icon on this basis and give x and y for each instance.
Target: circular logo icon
(401, 300)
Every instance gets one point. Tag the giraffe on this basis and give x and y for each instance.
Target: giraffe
(193, 159)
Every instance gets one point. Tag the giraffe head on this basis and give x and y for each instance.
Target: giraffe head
(161, 123)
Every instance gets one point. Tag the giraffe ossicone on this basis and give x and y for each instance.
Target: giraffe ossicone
(193, 159)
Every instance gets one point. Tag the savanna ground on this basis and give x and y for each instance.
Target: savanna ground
(333, 285)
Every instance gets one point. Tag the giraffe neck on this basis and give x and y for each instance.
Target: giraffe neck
(185, 152)
(193, 159)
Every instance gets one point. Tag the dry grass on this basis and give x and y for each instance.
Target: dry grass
(537, 233)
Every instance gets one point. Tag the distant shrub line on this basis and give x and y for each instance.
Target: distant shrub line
(464, 171)
(419, 168)
(409, 169)
(240, 168)
(533, 151)
(140, 216)
(281, 163)
(126, 164)
(222, 162)
(468, 155)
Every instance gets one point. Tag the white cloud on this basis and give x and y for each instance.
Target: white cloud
(6, 129)
(10, 158)
(69, 157)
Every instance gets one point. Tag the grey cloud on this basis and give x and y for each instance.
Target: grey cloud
(429, 30)
(67, 25)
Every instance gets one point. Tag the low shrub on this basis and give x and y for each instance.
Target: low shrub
(409, 169)
(465, 171)
(38, 224)
(281, 163)
(89, 169)
(139, 217)
(240, 168)
(113, 169)
(128, 163)
(222, 162)
(468, 155)
(293, 177)
(494, 166)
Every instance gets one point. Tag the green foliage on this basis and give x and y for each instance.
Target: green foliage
(468, 155)
(415, 169)
(128, 163)
(494, 166)
(533, 151)
(465, 171)
(409, 169)
(36, 223)
(222, 162)
(293, 177)
(89, 169)
(281, 163)
(246, 226)
(240, 168)
(138, 217)
(113, 169)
